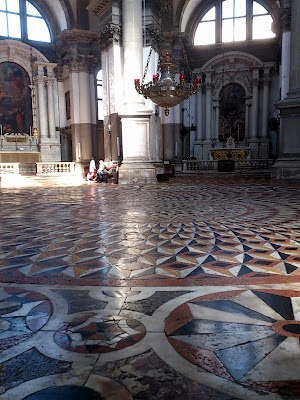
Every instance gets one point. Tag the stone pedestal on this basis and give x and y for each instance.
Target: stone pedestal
(137, 166)
(198, 149)
(207, 144)
(264, 149)
(137, 173)
(288, 162)
(254, 145)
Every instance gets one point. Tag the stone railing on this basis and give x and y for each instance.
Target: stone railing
(201, 165)
(9, 168)
(253, 164)
(55, 168)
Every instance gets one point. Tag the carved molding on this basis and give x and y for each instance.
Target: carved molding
(97, 7)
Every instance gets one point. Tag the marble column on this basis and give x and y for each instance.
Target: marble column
(49, 83)
(285, 19)
(168, 123)
(42, 107)
(264, 143)
(253, 142)
(198, 145)
(137, 165)
(217, 118)
(288, 149)
(85, 115)
(199, 112)
(208, 113)
(247, 113)
(208, 118)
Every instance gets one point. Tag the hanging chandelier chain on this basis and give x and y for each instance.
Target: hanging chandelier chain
(164, 6)
(185, 55)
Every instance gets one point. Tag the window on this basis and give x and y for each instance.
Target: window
(19, 19)
(99, 79)
(232, 21)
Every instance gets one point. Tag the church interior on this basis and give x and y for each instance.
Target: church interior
(179, 277)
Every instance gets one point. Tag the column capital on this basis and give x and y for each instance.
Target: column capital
(49, 81)
(255, 82)
(39, 80)
(110, 35)
(71, 49)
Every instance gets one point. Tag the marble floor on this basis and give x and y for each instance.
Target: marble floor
(184, 289)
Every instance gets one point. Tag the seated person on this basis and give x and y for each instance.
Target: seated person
(91, 175)
(102, 172)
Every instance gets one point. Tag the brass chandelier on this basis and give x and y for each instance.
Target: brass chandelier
(164, 90)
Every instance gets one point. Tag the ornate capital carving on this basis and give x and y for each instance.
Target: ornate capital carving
(49, 81)
(39, 80)
(110, 34)
(285, 19)
(72, 50)
(255, 82)
(79, 63)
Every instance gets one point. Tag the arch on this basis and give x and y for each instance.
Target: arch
(57, 13)
(20, 53)
(220, 58)
(192, 10)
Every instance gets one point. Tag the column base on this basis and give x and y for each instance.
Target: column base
(137, 173)
(254, 146)
(286, 169)
(264, 149)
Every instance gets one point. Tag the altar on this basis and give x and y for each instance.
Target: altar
(233, 154)
(19, 156)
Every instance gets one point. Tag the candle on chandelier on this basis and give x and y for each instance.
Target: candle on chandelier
(197, 82)
(155, 78)
(182, 78)
(137, 83)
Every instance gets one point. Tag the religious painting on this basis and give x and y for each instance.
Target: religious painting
(68, 105)
(15, 99)
(232, 112)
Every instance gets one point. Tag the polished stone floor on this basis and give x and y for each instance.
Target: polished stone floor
(184, 289)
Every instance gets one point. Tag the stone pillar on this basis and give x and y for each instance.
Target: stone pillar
(208, 132)
(78, 54)
(288, 162)
(169, 149)
(253, 142)
(137, 166)
(198, 146)
(217, 118)
(264, 143)
(49, 83)
(208, 115)
(85, 115)
(42, 106)
(285, 18)
(247, 113)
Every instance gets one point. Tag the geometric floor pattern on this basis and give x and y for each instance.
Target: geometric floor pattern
(188, 288)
